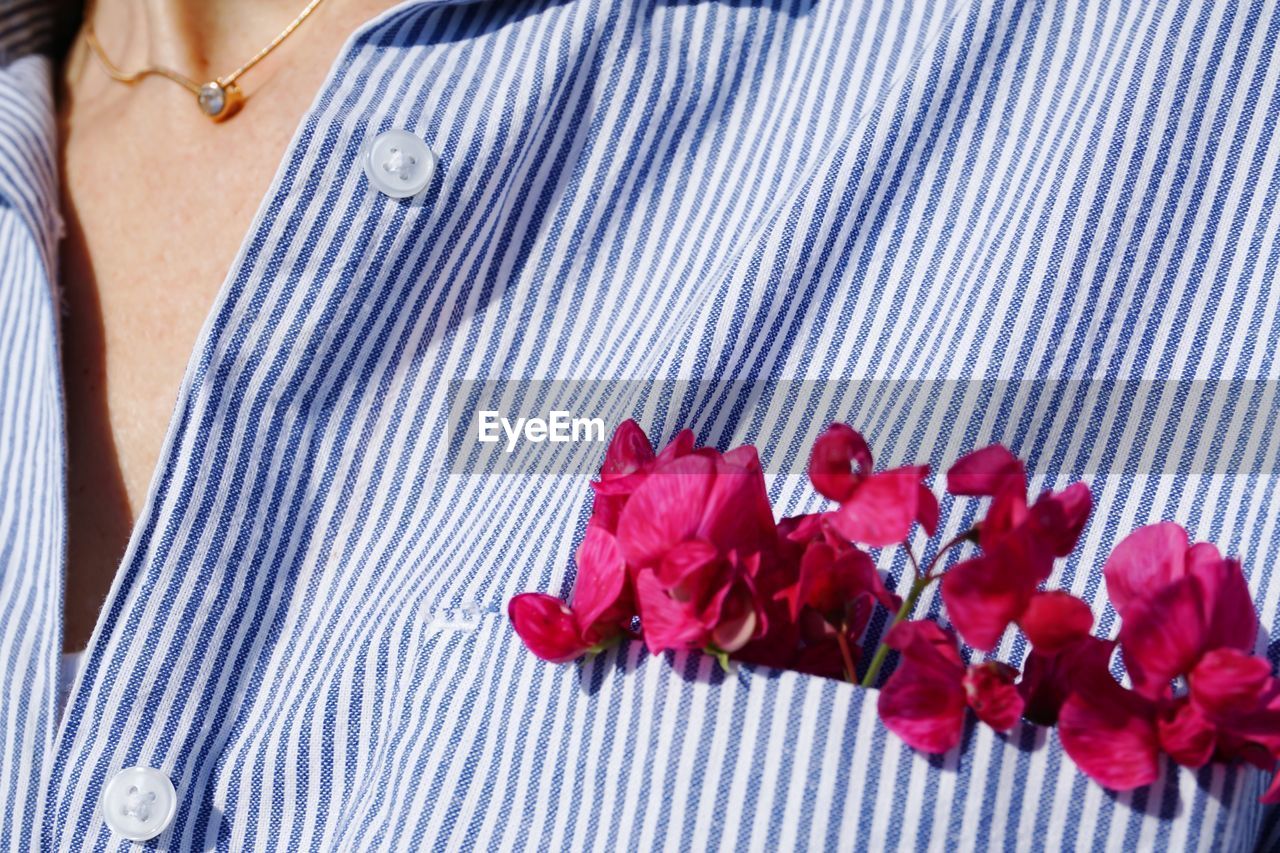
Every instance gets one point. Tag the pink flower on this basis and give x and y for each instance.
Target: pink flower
(876, 509)
(1199, 695)
(1115, 735)
(678, 538)
(818, 594)
(547, 626)
(925, 699)
(1177, 601)
(704, 495)
(987, 593)
(724, 618)
(696, 533)
(1226, 713)
(1109, 732)
(831, 573)
(603, 596)
(627, 463)
(603, 605)
(685, 541)
(1047, 678)
(1055, 620)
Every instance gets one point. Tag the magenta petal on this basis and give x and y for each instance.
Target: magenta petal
(927, 510)
(684, 559)
(859, 615)
(737, 622)
(923, 702)
(621, 485)
(1060, 517)
(1227, 682)
(665, 622)
(1261, 725)
(859, 575)
(987, 472)
(982, 598)
(1229, 612)
(802, 528)
(817, 587)
(1162, 636)
(927, 642)
(681, 445)
(991, 693)
(1202, 554)
(744, 457)
(1110, 735)
(547, 626)
(1146, 560)
(1044, 687)
(1055, 620)
(882, 508)
(629, 451)
(1186, 735)
(830, 581)
(1047, 679)
(840, 457)
(925, 713)
(1006, 515)
(689, 571)
(737, 514)
(665, 510)
(602, 578)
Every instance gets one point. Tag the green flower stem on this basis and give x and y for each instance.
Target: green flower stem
(918, 587)
(842, 640)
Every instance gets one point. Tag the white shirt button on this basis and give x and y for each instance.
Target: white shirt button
(398, 163)
(139, 803)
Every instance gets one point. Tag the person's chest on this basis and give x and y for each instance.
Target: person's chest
(156, 200)
(307, 634)
(155, 210)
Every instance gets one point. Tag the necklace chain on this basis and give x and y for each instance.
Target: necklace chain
(220, 98)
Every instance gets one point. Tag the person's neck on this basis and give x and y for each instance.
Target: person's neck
(201, 38)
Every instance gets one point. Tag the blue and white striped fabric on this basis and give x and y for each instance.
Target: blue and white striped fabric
(308, 633)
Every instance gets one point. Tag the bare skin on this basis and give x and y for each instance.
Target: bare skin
(157, 200)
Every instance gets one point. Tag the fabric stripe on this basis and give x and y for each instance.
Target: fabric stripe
(308, 630)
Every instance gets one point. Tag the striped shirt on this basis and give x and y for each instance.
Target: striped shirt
(1049, 223)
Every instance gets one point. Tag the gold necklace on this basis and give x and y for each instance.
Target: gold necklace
(220, 98)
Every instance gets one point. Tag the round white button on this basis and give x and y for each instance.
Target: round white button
(399, 163)
(139, 803)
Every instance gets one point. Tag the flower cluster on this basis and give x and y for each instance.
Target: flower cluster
(682, 550)
(1186, 620)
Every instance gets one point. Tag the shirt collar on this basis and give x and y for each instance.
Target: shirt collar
(26, 27)
(28, 151)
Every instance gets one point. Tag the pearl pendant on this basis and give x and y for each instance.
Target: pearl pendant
(218, 101)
